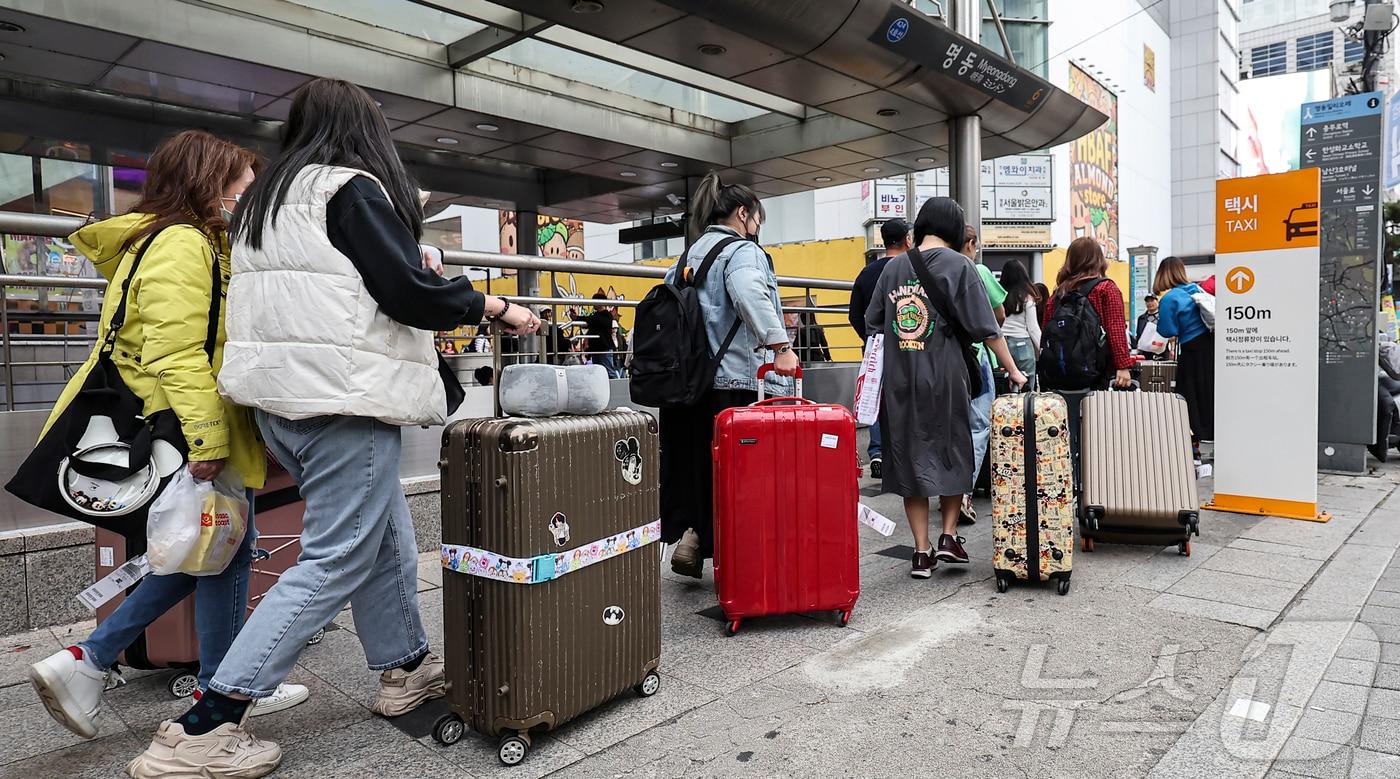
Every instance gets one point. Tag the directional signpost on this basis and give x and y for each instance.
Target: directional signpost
(1344, 139)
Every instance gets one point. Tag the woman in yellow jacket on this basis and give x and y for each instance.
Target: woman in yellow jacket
(192, 183)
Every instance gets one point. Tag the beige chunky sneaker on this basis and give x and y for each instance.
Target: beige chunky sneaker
(403, 691)
(226, 752)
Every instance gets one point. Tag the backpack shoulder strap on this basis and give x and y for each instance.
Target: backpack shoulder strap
(704, 269)
(940, 301)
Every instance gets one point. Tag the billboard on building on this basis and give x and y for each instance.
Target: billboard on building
(1149, 67)
(1093, 168)
(1270, 117)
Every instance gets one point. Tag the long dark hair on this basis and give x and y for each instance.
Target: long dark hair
(332, 122)
(185, 182)
(943, 217)
(1083, 261)
(1017, 281)
(714, 201)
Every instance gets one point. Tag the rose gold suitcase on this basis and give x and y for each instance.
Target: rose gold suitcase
(1139, 476)
(551, 587)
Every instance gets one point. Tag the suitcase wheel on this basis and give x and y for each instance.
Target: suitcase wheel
(649, 685)
(316, 637)
(448, 729)
(1086, 543)
(1003, 585)
(513, 748)
(1062, 586)
(843, 618)
(183, 684)
(1184, 548)
(731, 627)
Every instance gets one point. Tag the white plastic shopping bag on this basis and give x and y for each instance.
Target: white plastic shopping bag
(172, 524)
(1151, 341)
(196, 527)
(872, 369)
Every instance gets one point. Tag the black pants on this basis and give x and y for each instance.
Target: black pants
(687, 472)
(1195, 381)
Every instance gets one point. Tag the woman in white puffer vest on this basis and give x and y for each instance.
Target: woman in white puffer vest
(331, 316)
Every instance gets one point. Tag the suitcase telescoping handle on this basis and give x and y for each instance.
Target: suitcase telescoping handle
(767, 368)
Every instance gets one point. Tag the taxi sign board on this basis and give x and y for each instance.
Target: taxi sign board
(1266, 345)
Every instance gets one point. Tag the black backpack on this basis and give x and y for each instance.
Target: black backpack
(672, 364)
(1074, 351)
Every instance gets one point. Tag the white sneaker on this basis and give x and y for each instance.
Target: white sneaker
(71, 689)
(226, 752)
(286, 696)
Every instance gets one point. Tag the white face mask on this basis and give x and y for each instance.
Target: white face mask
(224, 212)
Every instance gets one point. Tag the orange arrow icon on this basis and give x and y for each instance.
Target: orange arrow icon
(1240, 279)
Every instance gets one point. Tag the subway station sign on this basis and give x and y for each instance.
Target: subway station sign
(1266, 345)
(1344, 139)
(915, 37)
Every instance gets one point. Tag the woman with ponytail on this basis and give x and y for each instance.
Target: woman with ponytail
(738, 295)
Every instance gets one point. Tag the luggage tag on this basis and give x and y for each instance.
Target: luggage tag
(115, 583)
(874, 520)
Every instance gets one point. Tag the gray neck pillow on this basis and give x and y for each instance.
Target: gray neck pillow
(533, 390)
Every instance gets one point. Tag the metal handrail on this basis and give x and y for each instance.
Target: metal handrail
(15, 223)
(63, 226)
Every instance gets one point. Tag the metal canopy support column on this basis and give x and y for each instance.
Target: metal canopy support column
(965, 132)
(527, 282)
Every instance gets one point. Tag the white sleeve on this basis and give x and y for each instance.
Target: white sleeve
(1033, 324)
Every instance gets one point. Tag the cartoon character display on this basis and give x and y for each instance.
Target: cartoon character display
(628, 452)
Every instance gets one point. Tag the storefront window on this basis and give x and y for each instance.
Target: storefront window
(16, 183)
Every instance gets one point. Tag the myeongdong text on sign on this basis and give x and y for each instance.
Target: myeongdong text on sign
(1266, 342)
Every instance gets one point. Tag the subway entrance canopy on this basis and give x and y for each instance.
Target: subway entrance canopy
(594, 109)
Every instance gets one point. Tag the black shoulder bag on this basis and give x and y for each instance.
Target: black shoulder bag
(943, 306)
(103, 461)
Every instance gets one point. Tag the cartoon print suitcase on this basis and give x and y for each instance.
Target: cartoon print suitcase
(1032, 490)
(551, 580)
(1139, 476)
(786, 494)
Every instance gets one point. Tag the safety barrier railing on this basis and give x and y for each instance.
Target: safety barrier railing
(50, 226)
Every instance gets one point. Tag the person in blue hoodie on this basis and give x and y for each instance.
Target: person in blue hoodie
(1179, 318)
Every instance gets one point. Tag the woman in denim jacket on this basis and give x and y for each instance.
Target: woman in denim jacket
(741, 285)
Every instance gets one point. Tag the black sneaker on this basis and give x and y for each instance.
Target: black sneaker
(875, 467)
(950, 549)
(923, 566)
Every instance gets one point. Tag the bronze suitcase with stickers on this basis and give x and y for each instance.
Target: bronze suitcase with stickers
(551, 580)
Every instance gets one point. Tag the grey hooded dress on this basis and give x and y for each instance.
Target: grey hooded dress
(925, 408)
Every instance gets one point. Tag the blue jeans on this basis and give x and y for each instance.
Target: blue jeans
(982, 417)
(609, 362)
(220, 604)
(357, 547)
(875, 449)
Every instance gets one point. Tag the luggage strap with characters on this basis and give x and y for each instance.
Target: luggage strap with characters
(546, 567)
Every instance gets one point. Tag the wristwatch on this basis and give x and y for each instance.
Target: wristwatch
(505, 306)
(784, 349)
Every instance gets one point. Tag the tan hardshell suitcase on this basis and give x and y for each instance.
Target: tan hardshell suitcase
(1139, 477)
(551, 581)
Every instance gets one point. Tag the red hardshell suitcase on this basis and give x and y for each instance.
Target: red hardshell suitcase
(170, 641)
(786, 495)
